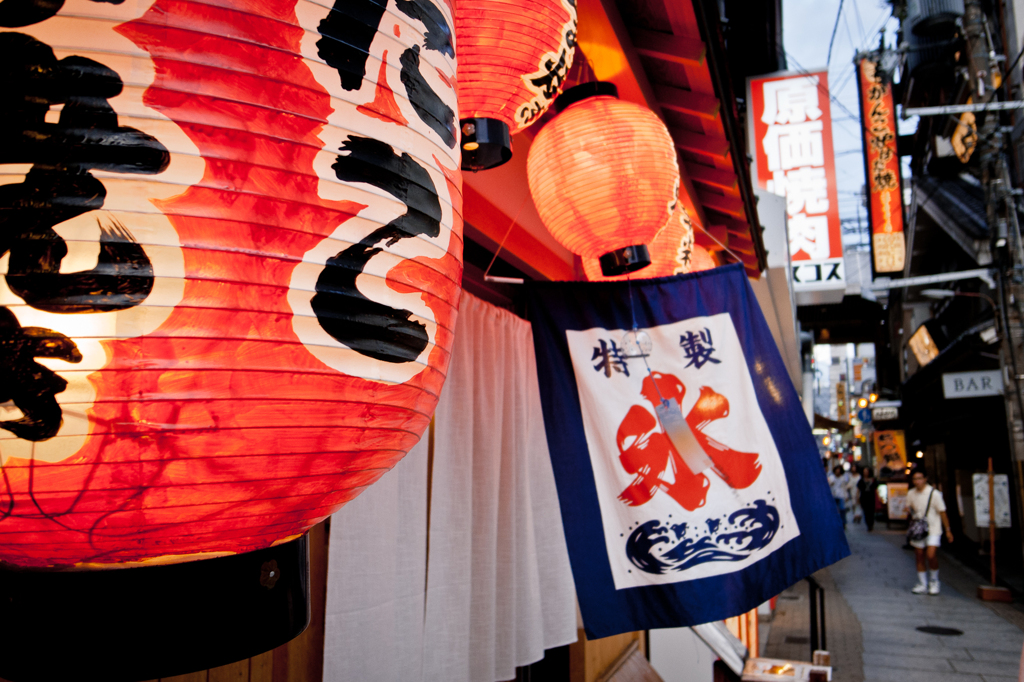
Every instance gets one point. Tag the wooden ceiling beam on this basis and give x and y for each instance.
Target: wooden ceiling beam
(711, 237)
(698, 143)
(668, 47)
(741, 244)
(687, 102)
(724, 180)
(730, 206)
(740, 227)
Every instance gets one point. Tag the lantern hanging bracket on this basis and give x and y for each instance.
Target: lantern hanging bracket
(505, 280)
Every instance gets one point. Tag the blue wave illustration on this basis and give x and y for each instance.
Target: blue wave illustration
(660, 548)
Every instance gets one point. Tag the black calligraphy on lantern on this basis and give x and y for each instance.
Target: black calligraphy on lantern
(17, 13)
(58, 187)
(345, 46)
(698, 348)
(547, 81)
(29, 385)
(369, 327)
(610, 358)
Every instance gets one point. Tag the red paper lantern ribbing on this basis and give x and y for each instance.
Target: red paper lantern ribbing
(671, 251)
(513, 58)
(236, 313)
(230, 265)
(604, 177)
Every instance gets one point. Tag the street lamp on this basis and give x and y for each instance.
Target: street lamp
(989, 335)
(949, 293)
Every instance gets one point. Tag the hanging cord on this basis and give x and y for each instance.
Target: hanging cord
(636, 339)
(730, 251)
(505, 280)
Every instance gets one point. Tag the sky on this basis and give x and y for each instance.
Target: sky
(807, 27)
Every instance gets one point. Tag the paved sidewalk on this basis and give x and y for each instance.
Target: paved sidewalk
(789, 636)
(870, 608)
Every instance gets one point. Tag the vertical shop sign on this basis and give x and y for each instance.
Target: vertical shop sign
(882, 166)
(791, 135)
(890, 450)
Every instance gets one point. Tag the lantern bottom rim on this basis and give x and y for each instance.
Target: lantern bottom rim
(486, 143)
(625, 260)
(151, 622)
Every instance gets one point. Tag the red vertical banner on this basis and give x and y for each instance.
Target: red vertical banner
(882, 164)
(792, 142)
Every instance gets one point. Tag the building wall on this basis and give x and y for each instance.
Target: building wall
(589, 658)
(680, 656)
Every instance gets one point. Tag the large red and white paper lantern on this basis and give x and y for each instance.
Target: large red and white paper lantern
(513, 60)
(604, 177)
(231, 265)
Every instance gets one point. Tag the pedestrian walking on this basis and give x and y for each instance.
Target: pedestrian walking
(840, 484)
(928, 520)
(867, 490)
(853, 493)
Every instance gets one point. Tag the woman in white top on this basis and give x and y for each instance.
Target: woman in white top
(935, 514)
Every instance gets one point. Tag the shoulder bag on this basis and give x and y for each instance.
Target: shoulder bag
(918, 529)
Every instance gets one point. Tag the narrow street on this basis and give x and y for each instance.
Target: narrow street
(872, 620)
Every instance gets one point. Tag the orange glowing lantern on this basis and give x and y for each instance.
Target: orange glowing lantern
(604, 177)
(671, 251)
(228, 285)
(513, 58)
(701, 259)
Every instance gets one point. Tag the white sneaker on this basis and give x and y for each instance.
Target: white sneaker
(933, 588)
(920, 588)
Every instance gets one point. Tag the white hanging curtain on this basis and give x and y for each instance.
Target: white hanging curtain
(489, 588)
(499, 587)
(376, 572)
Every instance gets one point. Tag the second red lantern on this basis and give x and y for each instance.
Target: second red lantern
(513, 59)
(604, 177)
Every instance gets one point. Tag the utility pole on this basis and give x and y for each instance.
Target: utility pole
(1001, 213)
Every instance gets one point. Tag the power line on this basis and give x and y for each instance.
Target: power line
(834, 28)
(831, 97)
(849, 34)
(860, 24)
(876, 27)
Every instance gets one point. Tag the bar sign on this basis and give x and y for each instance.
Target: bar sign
(972, 384)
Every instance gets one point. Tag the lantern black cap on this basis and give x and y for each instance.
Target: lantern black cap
(625, 260)
(150, 622)
(486, 143)
(581, 92)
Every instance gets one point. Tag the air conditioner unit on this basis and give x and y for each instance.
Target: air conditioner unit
(933, 18)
